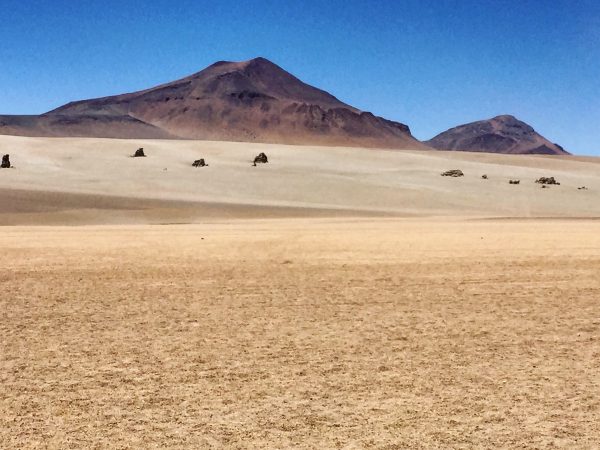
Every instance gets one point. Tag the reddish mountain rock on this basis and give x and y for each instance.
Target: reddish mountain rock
(502, 134)
(251, 101)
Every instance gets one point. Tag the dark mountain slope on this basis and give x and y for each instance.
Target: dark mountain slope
(501, 134)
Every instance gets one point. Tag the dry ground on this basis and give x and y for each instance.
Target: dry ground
(381, 333)
(99, 183)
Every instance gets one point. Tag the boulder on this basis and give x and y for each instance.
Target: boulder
(5, 162)
(547, 180)
(453, 173)
(199, 163)
(260, 159)
(139, 153)
(484, 177)
(582, 188)
(514, 182)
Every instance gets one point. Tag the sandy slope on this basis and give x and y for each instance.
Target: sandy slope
(355, 180)
(304, 333)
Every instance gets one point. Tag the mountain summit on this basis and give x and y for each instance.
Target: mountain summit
(501, 134)
(251, 101)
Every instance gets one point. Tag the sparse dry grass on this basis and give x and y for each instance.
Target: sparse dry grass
(306, 333)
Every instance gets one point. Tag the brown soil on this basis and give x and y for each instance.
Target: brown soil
(309, 333)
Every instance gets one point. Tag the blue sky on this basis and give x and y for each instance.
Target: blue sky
(429, 64)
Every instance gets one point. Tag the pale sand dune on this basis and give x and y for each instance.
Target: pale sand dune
(303, 333)
(310, 180)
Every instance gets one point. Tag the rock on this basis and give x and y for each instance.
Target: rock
(5, 162)
(547, 180)
(485, 177)
(582, 188)
(139, 153)
(514, 182)
(260, 159)
(453, 173)
(199, 163)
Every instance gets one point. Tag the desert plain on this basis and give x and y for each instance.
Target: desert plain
(332, 298)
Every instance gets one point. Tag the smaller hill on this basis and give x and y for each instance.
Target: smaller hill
(501, 134)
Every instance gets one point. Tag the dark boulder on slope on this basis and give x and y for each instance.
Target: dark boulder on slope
(453, 173)
(261, 159)
(547, 180)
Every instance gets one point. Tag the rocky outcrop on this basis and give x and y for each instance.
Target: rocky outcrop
(453, 173)
(260, 159)
(547, 180)
(199, 163)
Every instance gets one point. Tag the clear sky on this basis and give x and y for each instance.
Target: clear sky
(430, 64)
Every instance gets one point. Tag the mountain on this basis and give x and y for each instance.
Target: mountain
(84, 125)
(501, 134)
(250, 101)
